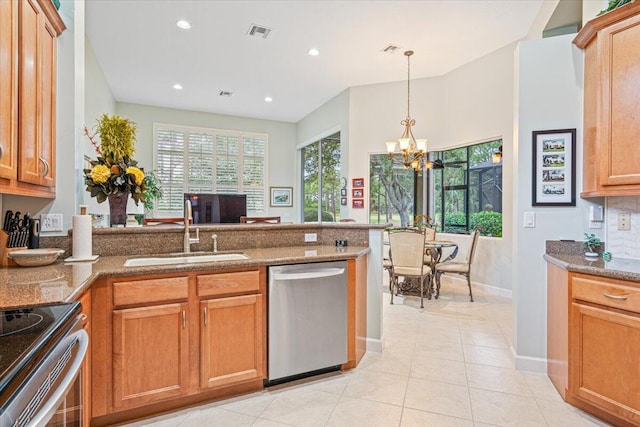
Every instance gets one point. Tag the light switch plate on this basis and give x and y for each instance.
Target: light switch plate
(310, 237)
(529, 220)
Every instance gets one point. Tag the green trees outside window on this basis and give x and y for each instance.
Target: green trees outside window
(321, 180)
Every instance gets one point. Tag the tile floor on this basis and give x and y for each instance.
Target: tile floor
(448, 364)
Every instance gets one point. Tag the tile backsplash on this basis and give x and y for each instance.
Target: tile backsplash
(623, 243)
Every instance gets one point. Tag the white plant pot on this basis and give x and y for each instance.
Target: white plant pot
(591, 254)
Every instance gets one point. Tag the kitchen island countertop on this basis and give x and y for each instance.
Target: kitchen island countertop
(62, 282)
(617, 268)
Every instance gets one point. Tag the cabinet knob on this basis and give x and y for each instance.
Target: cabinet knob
(184, 319)
(1, 152)
(205, 316)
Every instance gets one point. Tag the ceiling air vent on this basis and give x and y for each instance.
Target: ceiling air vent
(258, 31)
(391, 49)
(225, 93)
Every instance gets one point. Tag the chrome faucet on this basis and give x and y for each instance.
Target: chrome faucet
(215, 243)
(188, 240)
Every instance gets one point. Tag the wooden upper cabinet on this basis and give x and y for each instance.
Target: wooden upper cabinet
(611, 102)
(8, 89)
(37, 96)
(28, 39)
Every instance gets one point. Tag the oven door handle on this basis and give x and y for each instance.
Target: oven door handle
(59, 395)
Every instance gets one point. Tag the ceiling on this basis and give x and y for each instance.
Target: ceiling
(143, 53)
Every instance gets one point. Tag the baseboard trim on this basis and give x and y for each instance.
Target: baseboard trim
(375, 345)
(531, 364)
(493, 290)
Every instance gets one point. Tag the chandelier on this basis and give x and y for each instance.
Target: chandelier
(414, 151)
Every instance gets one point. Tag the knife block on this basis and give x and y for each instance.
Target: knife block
(5, 261)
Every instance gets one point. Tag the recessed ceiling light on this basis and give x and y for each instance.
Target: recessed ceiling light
(177, 86)
(185, 25)
(314, 52)
(268, 99)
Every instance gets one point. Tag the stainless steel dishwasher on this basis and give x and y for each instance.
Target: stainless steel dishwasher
(307, 319)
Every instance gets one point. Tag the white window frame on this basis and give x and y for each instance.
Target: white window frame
(214, 133)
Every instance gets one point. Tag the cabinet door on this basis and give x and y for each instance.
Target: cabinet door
(37, 78)
(604, 362)
(231, 347)
(150, 354)
(620, 114)
(8, 88)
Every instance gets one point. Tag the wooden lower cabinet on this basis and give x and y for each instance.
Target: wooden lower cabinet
(231, 345)
(605, 360)
(593, 343)
(150, 354)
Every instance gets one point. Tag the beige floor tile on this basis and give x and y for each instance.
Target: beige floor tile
(391, 362)
(441, 398)
(300, 407)
(541, 386)
(497, 379)
(504, 409)
(489, 356)
(416, 418)
(167, 420)
(216, 417)
(377, 386)
(471, 337)
(351, 412)
(443, 370)
(561, 414)
(261, 422)
(252, 404)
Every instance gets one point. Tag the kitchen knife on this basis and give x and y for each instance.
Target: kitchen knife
(8, 217)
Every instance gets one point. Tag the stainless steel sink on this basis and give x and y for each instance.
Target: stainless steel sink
(194, 259)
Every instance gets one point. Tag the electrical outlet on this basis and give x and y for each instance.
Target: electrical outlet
(310, 237)
(51, 222)
(624, 221)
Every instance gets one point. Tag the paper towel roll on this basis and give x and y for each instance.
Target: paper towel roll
(82, 244)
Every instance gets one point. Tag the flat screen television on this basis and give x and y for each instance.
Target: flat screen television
(217, 208)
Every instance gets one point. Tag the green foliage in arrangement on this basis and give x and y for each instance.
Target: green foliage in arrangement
(153, 191)
(614, 4)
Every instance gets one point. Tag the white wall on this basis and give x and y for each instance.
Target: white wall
(548, 96)
(282, 137)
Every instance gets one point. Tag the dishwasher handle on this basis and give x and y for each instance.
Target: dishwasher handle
(314, 274)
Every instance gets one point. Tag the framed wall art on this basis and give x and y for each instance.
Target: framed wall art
(343, 192)
(357, 203)
(357, 182)
(357, 193)
(554, 168)
(281, 196)
(343, 201)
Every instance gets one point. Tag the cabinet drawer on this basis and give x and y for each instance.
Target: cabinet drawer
(606, 292)
(228, 283)
(151, 290)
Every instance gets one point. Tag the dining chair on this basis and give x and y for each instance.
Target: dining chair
(429, 235)
(458, 267)
(407, 259)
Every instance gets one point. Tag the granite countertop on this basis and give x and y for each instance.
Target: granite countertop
(62, 282)
(617, 268)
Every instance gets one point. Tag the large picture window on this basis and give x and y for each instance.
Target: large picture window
(321, 180)
(201, 160)
(468, 191)
(392, 198)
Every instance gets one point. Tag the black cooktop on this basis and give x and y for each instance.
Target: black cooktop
(25, 333)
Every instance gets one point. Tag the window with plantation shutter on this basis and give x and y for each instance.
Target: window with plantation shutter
(199, 160)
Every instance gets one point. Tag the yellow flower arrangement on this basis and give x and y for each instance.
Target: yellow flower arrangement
(115, 171)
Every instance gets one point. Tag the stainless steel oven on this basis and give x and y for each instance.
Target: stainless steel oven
(41, 354)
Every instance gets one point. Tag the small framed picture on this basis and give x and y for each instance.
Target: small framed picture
(554, 170)
(357, 193)
(281, 196)
(343, 201)
(357, 182)
(343, 192)
(357, 203)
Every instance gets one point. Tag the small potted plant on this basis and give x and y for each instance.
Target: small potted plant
(592, 243)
